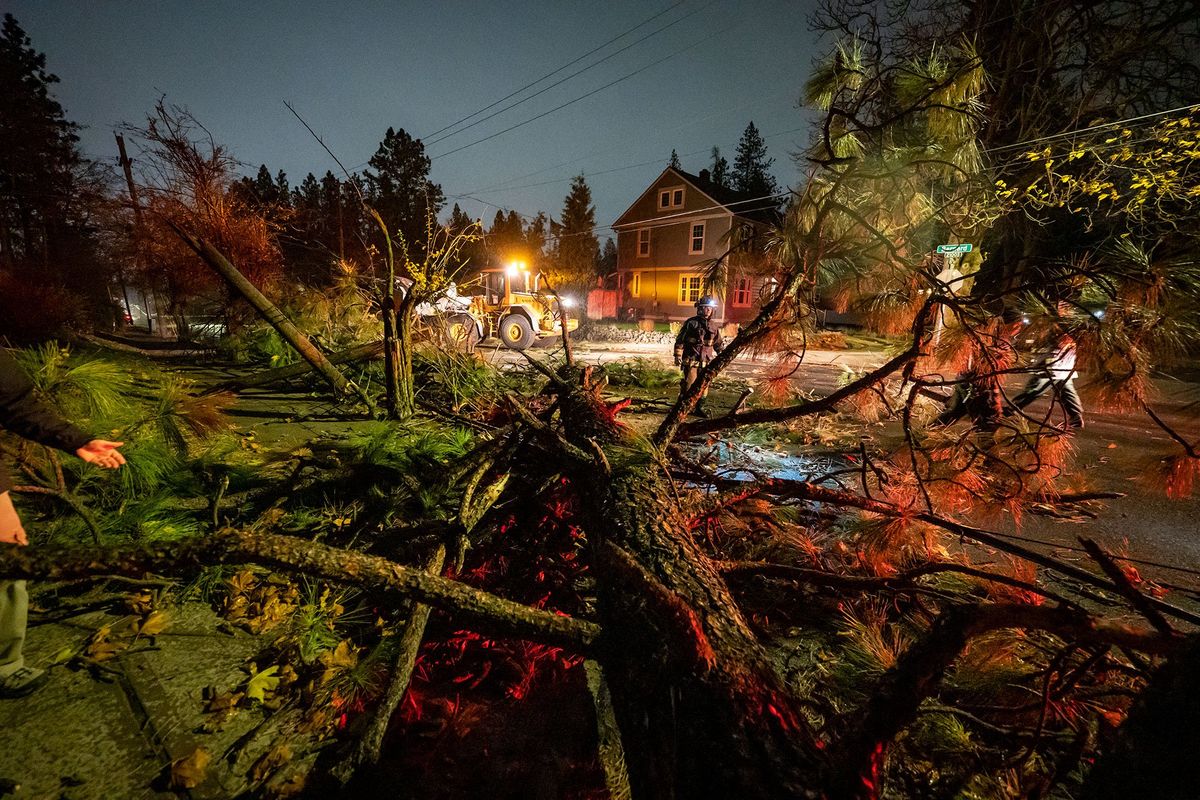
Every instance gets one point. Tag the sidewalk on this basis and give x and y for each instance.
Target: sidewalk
(112, 731)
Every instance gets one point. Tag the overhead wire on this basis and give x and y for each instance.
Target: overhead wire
(690, 122)
(1025, 143)
(584, 96)
(558, 70)
(543, 90)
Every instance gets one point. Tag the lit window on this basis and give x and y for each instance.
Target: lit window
(643, 242)
(689, 289)
(635, 284)
(741, 292)
(697, 238)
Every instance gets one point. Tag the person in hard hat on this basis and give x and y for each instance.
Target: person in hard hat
(698, 342)
(26, 416)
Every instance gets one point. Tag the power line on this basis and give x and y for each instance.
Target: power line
(688, 123)
(1026, 143)
(1100, 126)
(785, 194)
(625, 77)
(543, 90)
(502, 188)
(560, 69)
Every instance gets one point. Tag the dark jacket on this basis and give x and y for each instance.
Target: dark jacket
(23, 414)
(699, 340)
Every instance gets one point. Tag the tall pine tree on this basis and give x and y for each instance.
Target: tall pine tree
(38, 154)
(399, 188)
(718, 171)
(575, 246)
(674, 162)
(752, 167)
(54, 268)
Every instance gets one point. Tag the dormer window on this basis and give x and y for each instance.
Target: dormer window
(670, 198)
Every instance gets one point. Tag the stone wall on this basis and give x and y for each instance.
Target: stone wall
(599, 332)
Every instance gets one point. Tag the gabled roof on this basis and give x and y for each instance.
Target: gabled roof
(740, 204)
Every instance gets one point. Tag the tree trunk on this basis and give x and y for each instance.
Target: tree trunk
(360, 352)
(702, 711)
(1154, 754)
(402, 350)
(271, 313)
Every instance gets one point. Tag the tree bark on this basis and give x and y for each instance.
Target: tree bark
(271, 313)
(406, 404)
(360, 352)
(1154, 754)
(702, 711)
(372, 573)
(370, 743)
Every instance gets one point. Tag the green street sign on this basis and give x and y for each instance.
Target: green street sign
(955, 248)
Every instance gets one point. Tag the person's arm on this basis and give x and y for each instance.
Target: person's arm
(718, 340)
(22, 413)
(683, 329)
(25, 415)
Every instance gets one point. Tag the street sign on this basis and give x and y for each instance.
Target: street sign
(955, 248)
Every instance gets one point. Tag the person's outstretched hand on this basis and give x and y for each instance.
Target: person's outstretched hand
(102, 453)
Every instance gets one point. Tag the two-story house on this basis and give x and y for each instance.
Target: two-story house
(669, 233)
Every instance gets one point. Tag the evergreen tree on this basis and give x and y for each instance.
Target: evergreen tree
(55, 269)
(471, 257)
(38, 154)
(752, 167)
(607, 263)
(536, 234)
(576, 246)
(718, 172)
(674, 162)
(505, 240)
(399, 188)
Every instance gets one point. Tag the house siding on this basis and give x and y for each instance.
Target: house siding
(670, 256)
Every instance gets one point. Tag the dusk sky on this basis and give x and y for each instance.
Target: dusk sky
(353, 69)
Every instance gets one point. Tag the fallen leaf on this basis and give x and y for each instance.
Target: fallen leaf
(154, 624)
(272, 760)
(63, 656)
(188, 772)
(343, 655)
(262, 682)
(1112, 445)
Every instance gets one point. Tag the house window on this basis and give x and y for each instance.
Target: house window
(643, 249)
(689, 289)
(697, 238)
(741, 293)
(671, 197)
(634, 284)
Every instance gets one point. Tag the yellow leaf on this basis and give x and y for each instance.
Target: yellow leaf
(343, 656)
(154, 624)
(188, 772)
(262, 682)
(63, 656)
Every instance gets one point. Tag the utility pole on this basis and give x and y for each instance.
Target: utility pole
(127, 166)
